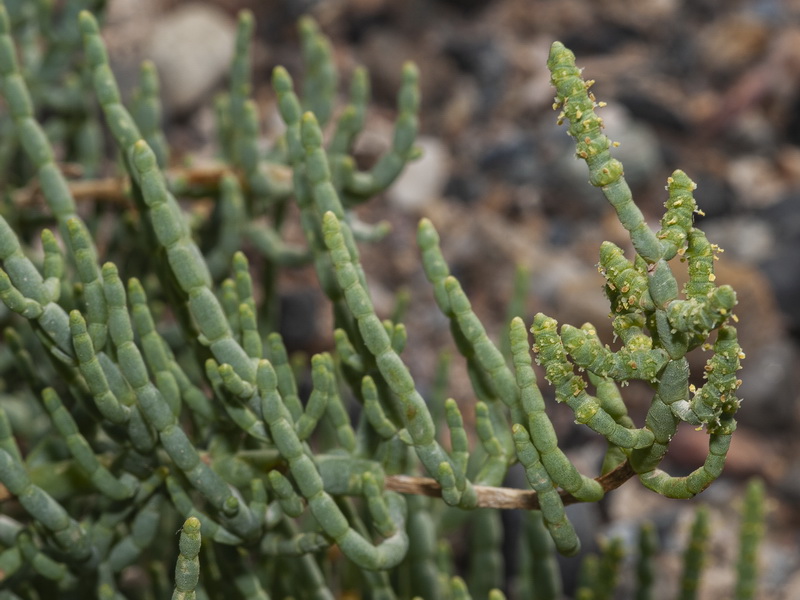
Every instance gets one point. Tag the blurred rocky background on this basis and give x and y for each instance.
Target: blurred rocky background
(708, 86)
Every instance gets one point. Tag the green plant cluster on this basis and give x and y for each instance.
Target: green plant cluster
(145, 385)
(47, 40)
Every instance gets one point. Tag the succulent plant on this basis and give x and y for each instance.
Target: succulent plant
(145, 384)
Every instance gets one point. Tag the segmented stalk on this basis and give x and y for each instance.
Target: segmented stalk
(751, 531)
(187, 569)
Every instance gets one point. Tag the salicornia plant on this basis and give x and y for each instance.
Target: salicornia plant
(145, 385)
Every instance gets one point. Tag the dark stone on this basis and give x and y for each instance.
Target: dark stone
(792, 130)
(360, 24)
(466, 188)
(484, 59)
(769, 388)
(784, 217)
(783, 272)
(788, 487)
(653, 110)
(512, 160)
(603, 39)
(707, 10)
(561, 232)
(467, 7)
(679, 57)
(714, 196)
(782, 268)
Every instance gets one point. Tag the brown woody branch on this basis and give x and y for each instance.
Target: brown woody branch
(498, 497)
(116, 190)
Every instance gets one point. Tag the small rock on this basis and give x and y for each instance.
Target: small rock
(121, 12)
(485, 59)
(732, 43)
(781, 268)
(788, 486)
(769, 388)
(467, 6)
(752, 132)
(383, 52)
(656, 107)
(512, 159)
(784, 216)
(749, 454)
(192, 48)
(783, 272)
(756, 181)
(638, 149)
(780, 573)
(423, 180)
(574, 290)
(716, 199)
(645, 19)
(460, 108)
(597, 40)
(466, 189)
(126, 29)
